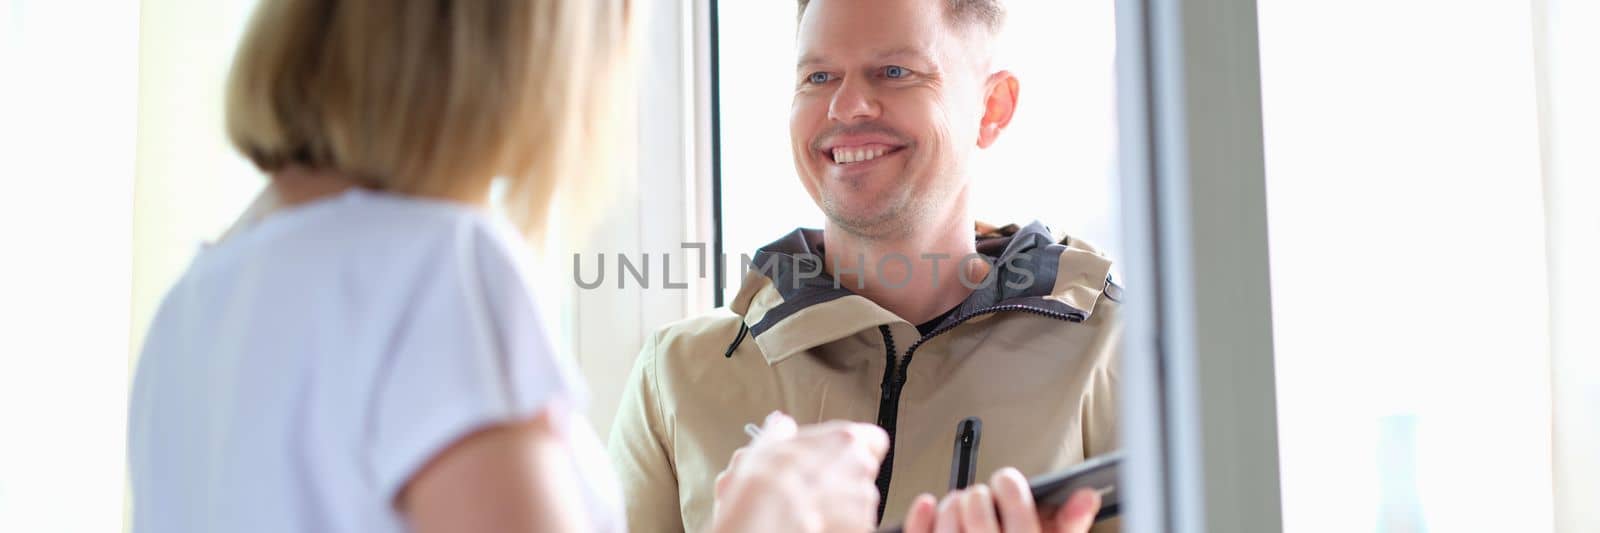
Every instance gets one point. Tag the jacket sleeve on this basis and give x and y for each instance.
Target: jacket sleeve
(641, 450)
(1100, 404)
(1100, 408)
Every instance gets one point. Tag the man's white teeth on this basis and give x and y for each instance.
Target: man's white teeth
(856, 155)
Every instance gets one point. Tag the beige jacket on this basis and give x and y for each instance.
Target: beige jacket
(1036, 362)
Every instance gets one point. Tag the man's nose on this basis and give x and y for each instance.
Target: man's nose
(853, 101)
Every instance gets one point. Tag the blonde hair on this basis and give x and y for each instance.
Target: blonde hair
(437, 98)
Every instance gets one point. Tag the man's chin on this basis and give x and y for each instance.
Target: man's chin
(881, 221)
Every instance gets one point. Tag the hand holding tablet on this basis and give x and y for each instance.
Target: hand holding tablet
(1080, 496)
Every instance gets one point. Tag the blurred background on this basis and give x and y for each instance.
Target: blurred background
(1432, 168)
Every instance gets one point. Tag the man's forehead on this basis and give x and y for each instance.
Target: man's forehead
(873, 30)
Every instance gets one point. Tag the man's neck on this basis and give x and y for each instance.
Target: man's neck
(917, 276)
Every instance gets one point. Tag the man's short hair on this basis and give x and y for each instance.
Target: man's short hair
(987, 14)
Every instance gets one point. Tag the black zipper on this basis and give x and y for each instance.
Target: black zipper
(894, 381)
(888, 411)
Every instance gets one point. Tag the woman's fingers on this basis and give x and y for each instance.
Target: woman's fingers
(872, 438)
(868, 437)
(777, 426)
(821, 474)
(843, 448)
(725, 478)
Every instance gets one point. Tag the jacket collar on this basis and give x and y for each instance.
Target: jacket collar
(790, 304)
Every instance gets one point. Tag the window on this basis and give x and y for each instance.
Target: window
(1408, 273)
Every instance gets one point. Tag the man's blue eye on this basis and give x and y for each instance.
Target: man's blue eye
(893, 72)
(818, 78)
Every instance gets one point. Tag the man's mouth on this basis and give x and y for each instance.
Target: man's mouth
(862, 153)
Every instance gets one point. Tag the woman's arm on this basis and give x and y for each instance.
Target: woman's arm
(513, 477)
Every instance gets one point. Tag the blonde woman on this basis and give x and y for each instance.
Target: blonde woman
(361, 352)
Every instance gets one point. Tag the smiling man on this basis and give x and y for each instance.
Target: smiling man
(896, 312)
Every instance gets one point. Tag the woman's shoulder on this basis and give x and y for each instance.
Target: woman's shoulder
(438, 239)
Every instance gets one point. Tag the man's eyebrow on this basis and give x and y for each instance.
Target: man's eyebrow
(911, 52)
(908, 52)
(808, 59)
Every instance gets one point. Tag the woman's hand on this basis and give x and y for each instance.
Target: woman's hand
(972, 510)
(818, 478)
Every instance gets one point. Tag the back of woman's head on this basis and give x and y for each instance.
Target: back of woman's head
(435, 98)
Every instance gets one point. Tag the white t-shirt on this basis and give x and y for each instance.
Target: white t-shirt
(304, 369)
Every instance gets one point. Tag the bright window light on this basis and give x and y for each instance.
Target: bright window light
(1408, 270)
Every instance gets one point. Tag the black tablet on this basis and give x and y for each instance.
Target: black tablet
(1099, 473)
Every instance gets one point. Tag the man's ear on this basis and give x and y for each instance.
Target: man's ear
(999, 104)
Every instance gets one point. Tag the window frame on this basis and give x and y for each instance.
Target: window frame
(1198, 395)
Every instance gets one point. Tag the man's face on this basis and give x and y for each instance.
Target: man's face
(888, 101)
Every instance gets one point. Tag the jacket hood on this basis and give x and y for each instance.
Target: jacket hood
(789, 304)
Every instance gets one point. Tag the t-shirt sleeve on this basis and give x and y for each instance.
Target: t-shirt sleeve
(472, 352)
